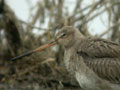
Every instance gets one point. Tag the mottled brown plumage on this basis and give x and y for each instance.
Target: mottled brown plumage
(94, 62)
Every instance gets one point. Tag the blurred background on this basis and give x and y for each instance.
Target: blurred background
(28, 24)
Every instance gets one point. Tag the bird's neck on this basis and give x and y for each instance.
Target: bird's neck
(67, 58)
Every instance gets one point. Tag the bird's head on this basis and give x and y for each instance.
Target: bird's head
(67, 36)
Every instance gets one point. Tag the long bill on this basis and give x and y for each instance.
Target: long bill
(36, 50)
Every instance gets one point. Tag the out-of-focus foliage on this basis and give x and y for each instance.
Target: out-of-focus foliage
(45, 70)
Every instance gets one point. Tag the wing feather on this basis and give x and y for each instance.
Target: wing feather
(103, 57)
(100, 48)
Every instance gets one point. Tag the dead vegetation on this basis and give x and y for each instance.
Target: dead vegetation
(45, 70)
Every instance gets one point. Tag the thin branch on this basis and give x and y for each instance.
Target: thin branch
(32, 26)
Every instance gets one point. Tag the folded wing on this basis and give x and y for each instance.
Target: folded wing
(103, 57)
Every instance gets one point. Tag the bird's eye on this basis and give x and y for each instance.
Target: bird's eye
(63, 35)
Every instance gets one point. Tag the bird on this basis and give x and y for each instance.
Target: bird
(93, 61)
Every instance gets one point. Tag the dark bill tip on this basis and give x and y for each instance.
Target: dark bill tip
(23, 55)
